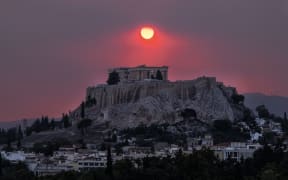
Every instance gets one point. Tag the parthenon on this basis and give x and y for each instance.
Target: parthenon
(140, 73)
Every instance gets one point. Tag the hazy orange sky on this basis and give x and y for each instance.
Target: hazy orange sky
(50, 51)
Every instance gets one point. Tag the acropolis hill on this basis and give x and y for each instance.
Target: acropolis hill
(139, 98)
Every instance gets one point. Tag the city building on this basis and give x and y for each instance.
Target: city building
(236, 151)
(199, 142)
(13, 157)
(136, 150)
(91, 163)
(51, 168)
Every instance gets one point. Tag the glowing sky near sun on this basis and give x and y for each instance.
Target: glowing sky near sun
(50, 51)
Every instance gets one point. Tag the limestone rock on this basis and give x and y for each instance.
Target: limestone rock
(148, 102)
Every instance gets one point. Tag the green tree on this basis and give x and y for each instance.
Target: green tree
(66, 120)
(269, 172)
(9, 147)
(52, 124)
(262, 111)
(188, 113)
(36, 126)
(0, 164)
(124, 169)
(82, 113)
(83, 125)
(109, 169)
(18, 143)
(114, 138)
(44, 123)
(113, 78)
(268, 138)
(285, 116)
(48, 147)
(90, 101)
(159, 75)
(20, 133)
(28, 131)
(222, 125)
(238, 99)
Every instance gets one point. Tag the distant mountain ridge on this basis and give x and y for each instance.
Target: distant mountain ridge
(9, 124)
(276, 104)
(16, 123)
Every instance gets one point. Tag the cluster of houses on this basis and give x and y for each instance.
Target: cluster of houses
(73, 159)
(65, 159)
(267, 126)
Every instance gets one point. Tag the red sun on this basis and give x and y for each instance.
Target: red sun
(147, 33)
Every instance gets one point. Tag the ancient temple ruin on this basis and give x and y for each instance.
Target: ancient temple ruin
(140, 73)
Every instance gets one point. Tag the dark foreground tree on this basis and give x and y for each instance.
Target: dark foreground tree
(18, 143)
(222, 125)
(238, 99)
(262, 111)
(66, 120)
(113, 78)
(83, 125)
(20, 133)
(0, 164)
(109, 169)
(188, 113)
(82, 113)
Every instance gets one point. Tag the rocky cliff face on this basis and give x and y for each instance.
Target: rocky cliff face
(148, 102)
